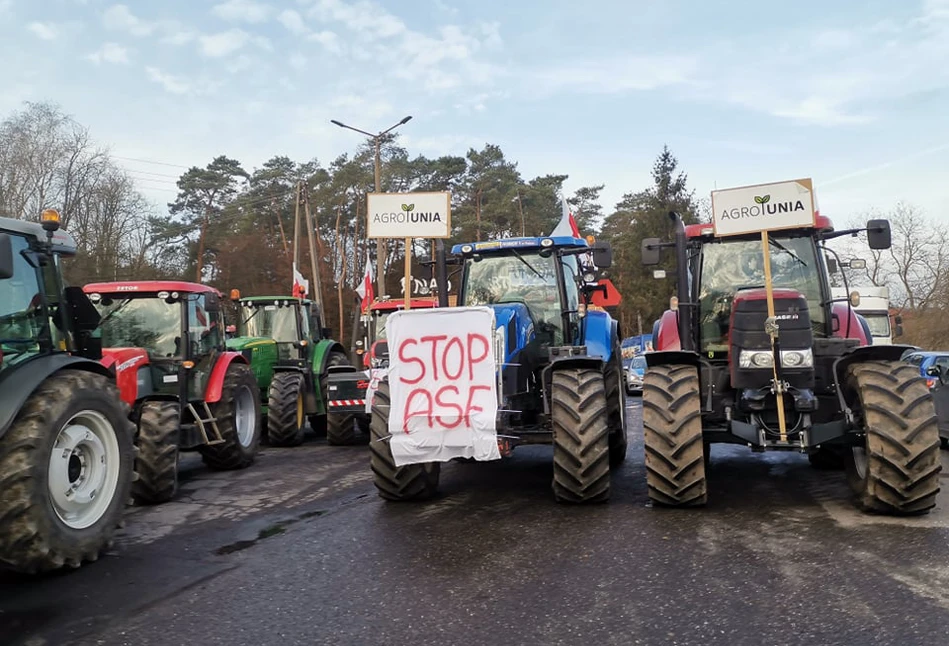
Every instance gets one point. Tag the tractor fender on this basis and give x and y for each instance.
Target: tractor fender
(585, 361)
(665, 333)
(861, 354)
(125, 363)
(599, 333)
(672, 357)
(321, 354)
(18, 384)
(215, 387)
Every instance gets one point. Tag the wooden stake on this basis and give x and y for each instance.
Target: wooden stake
(769, 290)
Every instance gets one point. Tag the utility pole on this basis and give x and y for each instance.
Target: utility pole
(377, 171)
(296, 230)
(317, 296)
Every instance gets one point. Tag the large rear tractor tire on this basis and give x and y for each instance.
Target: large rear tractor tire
(157, 459)
(580, 418)
(616, 402)
(66, 469)
(286, 409)
(672, 429)
(408, 482)
(896, 470)
(238, 419)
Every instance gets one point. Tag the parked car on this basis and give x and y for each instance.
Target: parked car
(931, 364)
(635, 369)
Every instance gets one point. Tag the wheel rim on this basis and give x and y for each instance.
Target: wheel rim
(244, 418)
(83, 470)
(860, 461)
(300, 412)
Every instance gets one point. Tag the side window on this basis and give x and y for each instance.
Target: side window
(20, 298)
(570, 273)
(915, 359)
(203, 327)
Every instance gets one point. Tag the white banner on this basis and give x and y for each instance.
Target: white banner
(763, 207)
(375, 376)
(443, 384)
(409, 215)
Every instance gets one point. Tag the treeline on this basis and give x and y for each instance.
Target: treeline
(232, 226)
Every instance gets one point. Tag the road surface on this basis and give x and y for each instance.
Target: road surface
(298, 549)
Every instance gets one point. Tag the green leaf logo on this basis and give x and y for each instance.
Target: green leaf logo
(408, 207)
(762, 199)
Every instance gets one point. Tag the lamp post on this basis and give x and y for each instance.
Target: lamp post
(380, 244)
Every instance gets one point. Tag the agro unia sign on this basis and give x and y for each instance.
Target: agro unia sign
(409, 215)
(763, 207)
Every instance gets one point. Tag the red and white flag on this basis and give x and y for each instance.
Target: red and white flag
(365, 290)
(567, 225)
(301, 286)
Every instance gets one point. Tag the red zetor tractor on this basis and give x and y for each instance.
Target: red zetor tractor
(165, 342)
(346, 386)
(727, 370)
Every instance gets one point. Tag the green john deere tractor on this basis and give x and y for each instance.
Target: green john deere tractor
(66, 452)
(291, 354)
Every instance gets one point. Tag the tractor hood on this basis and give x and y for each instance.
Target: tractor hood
(261, 354)
(514, 322)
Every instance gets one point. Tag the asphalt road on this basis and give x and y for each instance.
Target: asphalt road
(298, 549)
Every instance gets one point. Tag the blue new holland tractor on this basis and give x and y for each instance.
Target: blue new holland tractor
(559, 362)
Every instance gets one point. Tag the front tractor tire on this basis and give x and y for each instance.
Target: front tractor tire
(672, 430)
(286, 409)
(896, 469)
(66, 468)
(157, 459)
(580, 419)
(238, 418)
(616, 401)
(408, 482)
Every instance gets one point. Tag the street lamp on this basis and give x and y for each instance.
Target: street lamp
(380, 246)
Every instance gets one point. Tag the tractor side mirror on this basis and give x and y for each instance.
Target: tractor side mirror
(832, 267)
(857, 263)
(602, 255)
(212, 303)
(898, 330)
(933, 371)
(6, 256)
(650, 251)
(878, 234)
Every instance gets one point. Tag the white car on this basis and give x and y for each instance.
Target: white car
(634, 374)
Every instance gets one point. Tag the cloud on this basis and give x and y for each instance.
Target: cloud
(223, 43)
(44, 31)
(242, 11)
(329, 40)
(617, 75)
(293, 21)
(109, 53)
(172, 84)
(298, 62)
(368, 18)
(120, 18)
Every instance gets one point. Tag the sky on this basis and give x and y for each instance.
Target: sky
(852, 94)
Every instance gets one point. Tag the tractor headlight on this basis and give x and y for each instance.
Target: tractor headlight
(467, 249)
(755, 359)
(797, 358)
(546, 242)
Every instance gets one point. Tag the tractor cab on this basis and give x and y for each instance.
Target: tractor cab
(374, 327)
(171, 331)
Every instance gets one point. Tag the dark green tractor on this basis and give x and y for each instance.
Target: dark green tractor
(291, 354)
(66, 452)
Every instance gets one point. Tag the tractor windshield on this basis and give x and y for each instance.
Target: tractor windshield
(527, 278)
(22, 320)
(381, 316)
(731, 265)
(150, 323)
(271, 321)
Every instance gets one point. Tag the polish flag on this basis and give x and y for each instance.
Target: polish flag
(365, 290)
(567, 225)
(301, 286)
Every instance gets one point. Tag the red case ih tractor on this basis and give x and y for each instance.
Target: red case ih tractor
(722, 364)
(165, 342)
